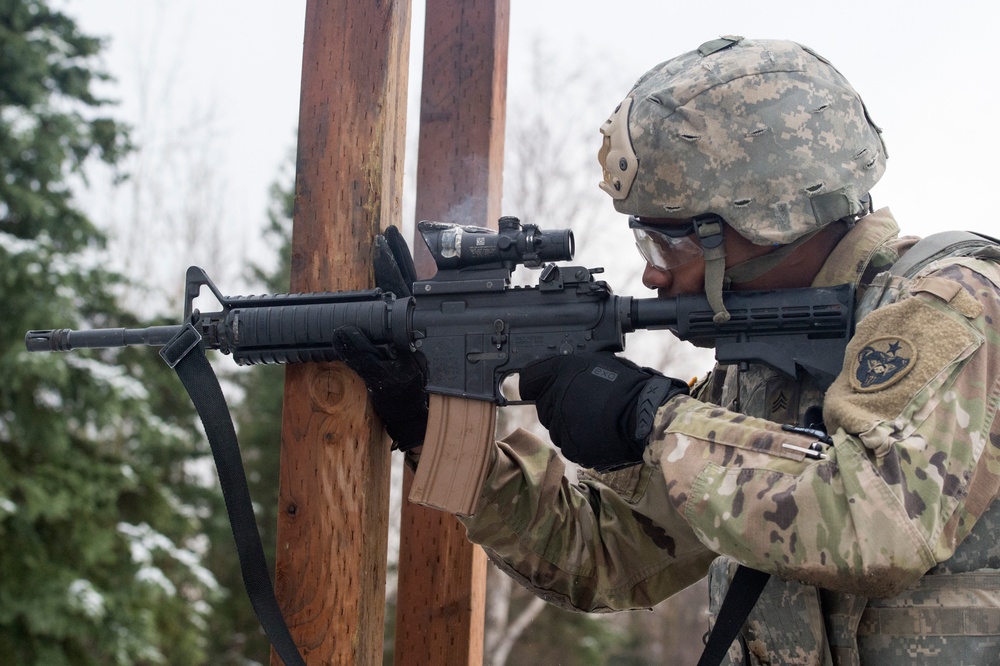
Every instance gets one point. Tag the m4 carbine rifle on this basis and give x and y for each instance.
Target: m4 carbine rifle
(473, 329)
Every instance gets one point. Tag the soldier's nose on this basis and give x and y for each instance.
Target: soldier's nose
(654, 278)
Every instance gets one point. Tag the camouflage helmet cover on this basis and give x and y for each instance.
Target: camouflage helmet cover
(764, 133)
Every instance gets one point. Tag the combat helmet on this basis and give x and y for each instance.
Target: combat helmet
(765, 134)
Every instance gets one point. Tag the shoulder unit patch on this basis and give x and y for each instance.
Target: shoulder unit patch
(882, 362)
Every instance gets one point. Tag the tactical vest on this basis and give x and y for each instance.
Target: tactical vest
(950, 616)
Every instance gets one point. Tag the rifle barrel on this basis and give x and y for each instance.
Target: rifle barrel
(65, 339)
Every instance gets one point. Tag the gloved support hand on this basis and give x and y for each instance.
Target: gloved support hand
(395, 385)
(394, 379)
(598, 408)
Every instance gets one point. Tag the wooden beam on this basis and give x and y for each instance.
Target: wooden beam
(332, 526)
(442, 577)
(463, 111)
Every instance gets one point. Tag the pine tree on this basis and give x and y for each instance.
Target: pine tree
(100, 562)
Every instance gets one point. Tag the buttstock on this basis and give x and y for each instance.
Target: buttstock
(455, 457)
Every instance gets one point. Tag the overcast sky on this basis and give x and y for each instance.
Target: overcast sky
(226, 75)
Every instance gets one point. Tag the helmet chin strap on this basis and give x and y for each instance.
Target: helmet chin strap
(709, 230)
(718, 278)
(751, 269)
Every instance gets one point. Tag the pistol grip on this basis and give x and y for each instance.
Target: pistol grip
(455, 456)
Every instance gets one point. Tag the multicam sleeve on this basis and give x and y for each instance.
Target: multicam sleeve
(914, 463)
(610, 542)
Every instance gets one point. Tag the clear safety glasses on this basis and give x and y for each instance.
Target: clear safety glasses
(665, 247)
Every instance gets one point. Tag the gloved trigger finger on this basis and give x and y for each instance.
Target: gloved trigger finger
(536, 378)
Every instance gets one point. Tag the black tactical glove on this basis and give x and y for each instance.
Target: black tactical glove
(395, 385)
(598, 408)
(394, 270)
(394, 379)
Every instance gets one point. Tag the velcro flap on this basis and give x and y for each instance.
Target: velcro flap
(949, 291)
(895, 352)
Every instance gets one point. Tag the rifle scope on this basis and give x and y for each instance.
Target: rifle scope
(456, 247)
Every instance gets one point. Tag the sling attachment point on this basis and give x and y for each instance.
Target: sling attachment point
(180, 345)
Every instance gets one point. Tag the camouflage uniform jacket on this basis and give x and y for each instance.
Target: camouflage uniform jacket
(914, 464)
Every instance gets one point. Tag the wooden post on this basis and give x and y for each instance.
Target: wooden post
(442, 577)
(332, 526)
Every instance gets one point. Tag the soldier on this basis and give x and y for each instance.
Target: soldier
(747, 164)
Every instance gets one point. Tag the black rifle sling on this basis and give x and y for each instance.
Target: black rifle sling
(741, 596)
(185, 355)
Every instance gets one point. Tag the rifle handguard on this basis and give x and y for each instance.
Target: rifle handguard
(455, 457)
